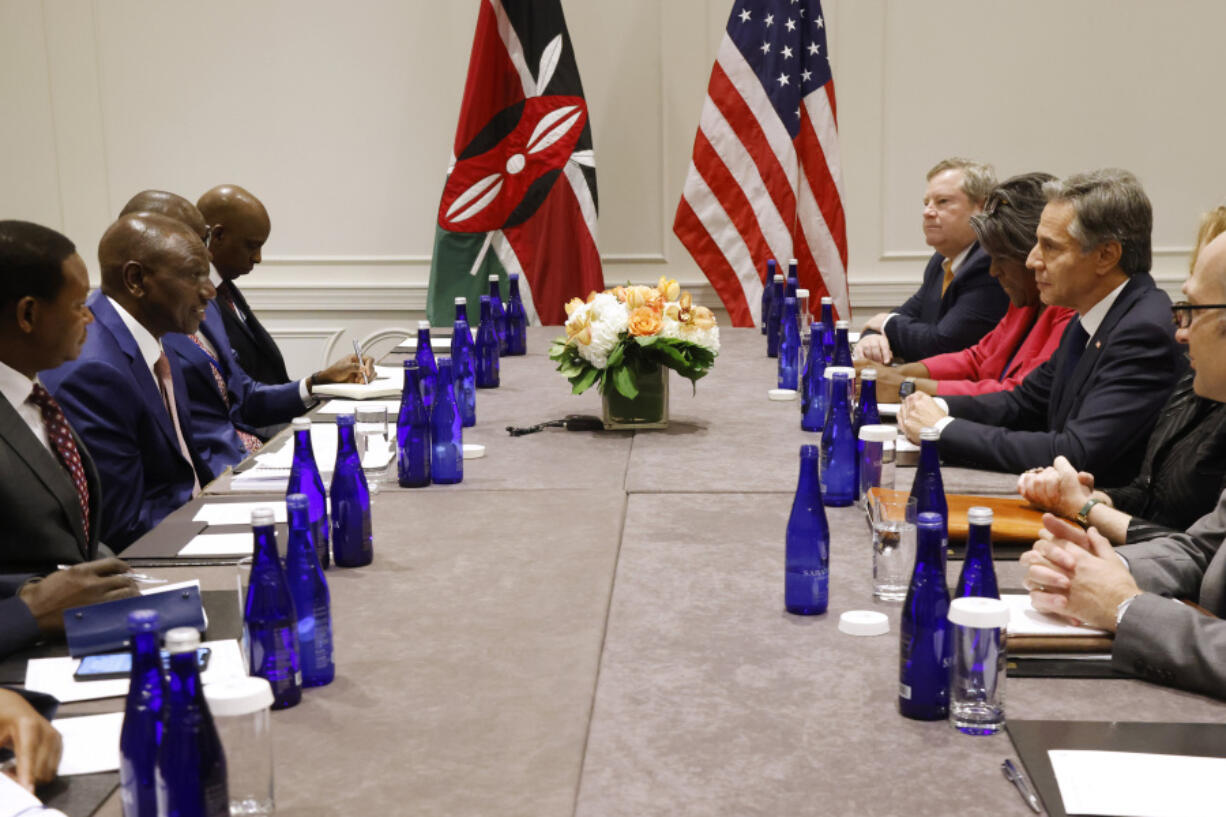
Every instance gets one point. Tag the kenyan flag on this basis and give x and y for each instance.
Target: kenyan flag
(521, 190)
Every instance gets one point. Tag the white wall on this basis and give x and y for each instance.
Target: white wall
(340, 117)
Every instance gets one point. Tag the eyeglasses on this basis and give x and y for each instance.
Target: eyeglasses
(1182, 312)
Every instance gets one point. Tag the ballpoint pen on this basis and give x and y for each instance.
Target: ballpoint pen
(357, 352)
(1014, 775)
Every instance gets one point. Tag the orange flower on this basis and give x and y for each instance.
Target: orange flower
(637, 296)
(644, 321)
(619, 292)
(572, 305)
(669, 288)
(703, 318)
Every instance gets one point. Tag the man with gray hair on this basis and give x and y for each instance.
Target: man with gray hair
(958, 302)
(1096, 399)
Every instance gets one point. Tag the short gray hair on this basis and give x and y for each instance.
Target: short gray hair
(1108, 205)
(978, 178)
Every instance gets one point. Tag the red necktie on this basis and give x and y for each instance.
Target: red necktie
(161, 368)
(250, 441)
(60, 436)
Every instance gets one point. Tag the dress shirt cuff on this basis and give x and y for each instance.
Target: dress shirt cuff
(886, 320)
(304, 392)
(943, 422)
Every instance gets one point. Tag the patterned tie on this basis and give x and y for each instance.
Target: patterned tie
(161, 368)
(60, 436)
(250, 442)
(226, 296)
(948, 266)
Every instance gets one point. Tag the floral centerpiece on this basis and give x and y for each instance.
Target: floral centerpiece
(625, 339)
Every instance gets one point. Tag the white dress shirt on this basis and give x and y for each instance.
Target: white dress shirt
(17, 388)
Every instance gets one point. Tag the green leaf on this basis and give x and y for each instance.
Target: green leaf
(584, 381)
(617, 356)
(623, 381)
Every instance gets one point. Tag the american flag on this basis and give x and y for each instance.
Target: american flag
(765, 181)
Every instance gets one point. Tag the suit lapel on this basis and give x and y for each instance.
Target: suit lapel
(48, 469)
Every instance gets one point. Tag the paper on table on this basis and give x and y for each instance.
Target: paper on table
(349, 406)
(91, 743)
(237, 513)
(14, 800)
(440, 340)
(54, 675)
(218, 544)
(1137, 784)
(1025, 620)
(388, 382)
(323, 443)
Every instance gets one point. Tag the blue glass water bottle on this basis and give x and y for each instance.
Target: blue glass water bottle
(828, 329)
(978, 577)
(309, 590)
(488, 355)
(807, 568)
(425, 359)
(304, 478)
(352, 536)
(927, 487)
(143, 715)
(866, 408)
(191, 769)
(789, 346)
(464, 364)
(517, 320)
(767, 290)
(926, 647)
(839, 450)
(813, 386)
(842, 348)
(269, 620)
(446, 435)
(500, 315)
(792, 282)
(772, 325)
(412, 432)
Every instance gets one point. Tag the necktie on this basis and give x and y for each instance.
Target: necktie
(161, 368)
(250, 442)
(948, 266)
(226, 296)
(60, 436)
(1078, 338)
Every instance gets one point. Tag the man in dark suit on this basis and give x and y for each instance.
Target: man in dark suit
(49, 490)
(1096, 399)
(239, 226)
(1129, 590)
(124, 395)
(231, 414)
(958, 302)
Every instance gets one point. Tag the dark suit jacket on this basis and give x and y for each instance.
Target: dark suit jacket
(252, 404)
(252, 346)
(931, 324)
(38, 502)
(114, 404)
(1099, 415)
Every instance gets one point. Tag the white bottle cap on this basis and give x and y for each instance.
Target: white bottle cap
(864, 622)
(423, 324)
(493, 279)
(461, 301)
(182, 639)
(300, 424)
(234, 697)
(473, 451)
(979, 515)
(791, 262)
(781, 395)
(802, 293)
(841, 324)
(779, 277)
(831, 371)
(979, 612)
(868, 374)
(878, 434)
(262, 515)
(826, 299)
(929, 433)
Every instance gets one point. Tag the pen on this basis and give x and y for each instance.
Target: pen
(357, 352)
(1014, 775)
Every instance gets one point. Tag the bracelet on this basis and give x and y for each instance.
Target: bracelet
(1083, 515)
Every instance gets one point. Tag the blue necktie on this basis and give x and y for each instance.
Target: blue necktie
(1077, 346)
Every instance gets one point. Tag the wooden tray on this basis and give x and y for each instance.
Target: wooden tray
(1014, 521)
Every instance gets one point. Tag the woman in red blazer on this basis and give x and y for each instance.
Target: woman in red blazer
(1029, 332)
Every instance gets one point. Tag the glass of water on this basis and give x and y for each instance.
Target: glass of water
(892, 516)
(370, 433)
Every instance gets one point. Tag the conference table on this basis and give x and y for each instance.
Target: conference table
(592, 623)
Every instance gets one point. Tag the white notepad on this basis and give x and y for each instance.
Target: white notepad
(237, 513)
(1025, 620)
(91, 743)
(218, 545)
(1137, 784)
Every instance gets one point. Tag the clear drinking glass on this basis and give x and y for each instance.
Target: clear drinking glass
(892, 515)
(977, 679)
(371, 434)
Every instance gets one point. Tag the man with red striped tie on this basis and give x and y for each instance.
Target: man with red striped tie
(50, 496)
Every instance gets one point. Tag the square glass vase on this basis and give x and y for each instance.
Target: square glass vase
(649, 409)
